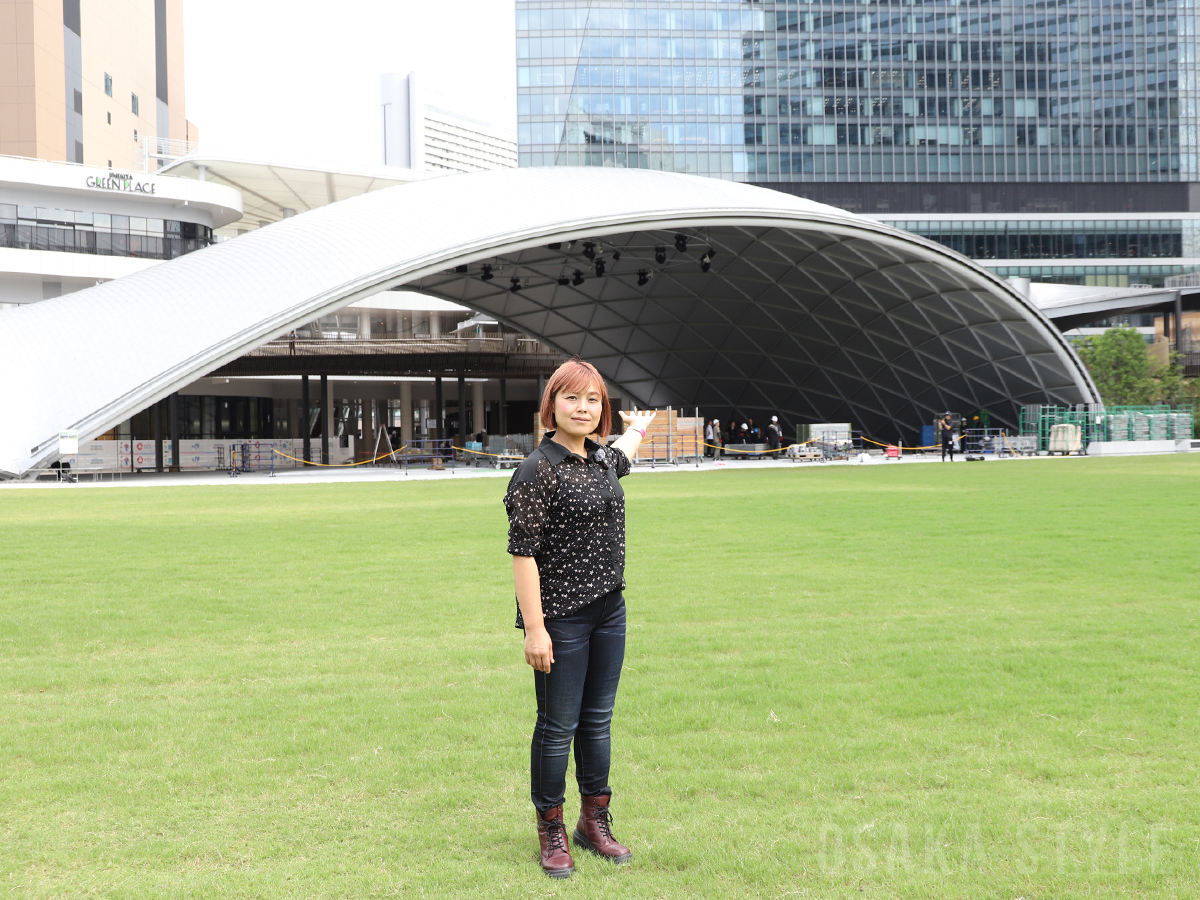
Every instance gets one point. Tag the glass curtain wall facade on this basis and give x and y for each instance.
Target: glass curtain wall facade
(835, 99)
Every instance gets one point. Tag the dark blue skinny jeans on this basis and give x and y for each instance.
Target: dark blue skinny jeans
(575, 701)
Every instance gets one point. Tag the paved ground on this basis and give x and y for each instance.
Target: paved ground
(368, 473)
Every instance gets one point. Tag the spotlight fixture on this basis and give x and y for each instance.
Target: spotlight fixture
(563, 282)
(461, 270)
(516, 284)
(643, 278)
(616, 256)
(705, 265)
(660, 255)
(600, 266)
(589, 250)
(577, 280)
(681, 243)
(487, 273)
(555, 246)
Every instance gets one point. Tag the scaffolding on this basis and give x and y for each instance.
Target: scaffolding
(1111, 423)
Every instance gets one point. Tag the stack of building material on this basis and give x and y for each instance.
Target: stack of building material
(670, 436)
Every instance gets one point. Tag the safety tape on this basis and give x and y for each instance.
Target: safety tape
(901, 446)
(365, 462)
(492, 455)
(782, 448)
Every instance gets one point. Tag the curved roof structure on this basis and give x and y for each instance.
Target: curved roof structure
(280, 187)
(806, 310)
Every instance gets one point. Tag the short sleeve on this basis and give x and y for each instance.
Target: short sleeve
(620, 463)
(528, 505)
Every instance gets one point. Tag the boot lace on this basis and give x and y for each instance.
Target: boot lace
(556, 834)
(604, 820)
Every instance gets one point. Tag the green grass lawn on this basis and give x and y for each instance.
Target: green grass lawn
(911, 682)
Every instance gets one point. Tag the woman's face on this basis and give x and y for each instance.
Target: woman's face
(578, 412)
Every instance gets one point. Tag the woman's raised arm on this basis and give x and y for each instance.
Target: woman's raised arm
(635, 431)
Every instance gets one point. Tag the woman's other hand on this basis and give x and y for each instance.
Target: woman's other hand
(539, 650)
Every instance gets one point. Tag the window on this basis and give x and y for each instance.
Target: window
(110, 118)
(135, 135)
(133, 104)
(108, 84)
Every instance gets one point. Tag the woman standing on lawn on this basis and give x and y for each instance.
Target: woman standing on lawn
(566, 534)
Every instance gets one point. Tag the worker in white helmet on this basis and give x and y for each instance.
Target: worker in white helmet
(774, 436)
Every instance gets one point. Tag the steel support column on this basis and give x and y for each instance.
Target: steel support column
(176, 456)
(406, 413)
(158, 436)
(503, 406)
(326, 415)
(1178, 319)
(478, 408)
(462, 409)
(438, 410)
(306, 418)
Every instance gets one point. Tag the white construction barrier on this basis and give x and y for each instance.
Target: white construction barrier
(1127, 448)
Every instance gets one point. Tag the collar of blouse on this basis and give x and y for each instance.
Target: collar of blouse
(556, 452)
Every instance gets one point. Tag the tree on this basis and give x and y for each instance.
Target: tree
(1120, 364)
(1173, 387)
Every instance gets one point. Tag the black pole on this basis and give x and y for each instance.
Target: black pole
(176, 456)
(462, 409)
(326, 413)
(158, 437)
(503, 423)
(1178, 319)
(306, 418)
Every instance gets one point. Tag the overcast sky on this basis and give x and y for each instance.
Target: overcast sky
(271, 78)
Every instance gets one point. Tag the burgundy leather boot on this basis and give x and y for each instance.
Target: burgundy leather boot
(594, 831)
(552, 834)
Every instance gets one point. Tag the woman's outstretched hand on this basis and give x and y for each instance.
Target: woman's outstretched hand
(637, 419)
(539, 650)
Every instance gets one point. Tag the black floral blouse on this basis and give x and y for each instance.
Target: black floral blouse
(568, 513)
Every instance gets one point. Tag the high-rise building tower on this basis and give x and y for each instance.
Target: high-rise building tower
(95, 83)
(420, 133)
(1056, 141)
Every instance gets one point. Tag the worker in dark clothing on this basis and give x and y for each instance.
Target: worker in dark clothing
(774, 436)
(946, 432)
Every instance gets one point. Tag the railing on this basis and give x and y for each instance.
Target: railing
(390, 343)
(164, 150)
(1188, 279)
(96, 243)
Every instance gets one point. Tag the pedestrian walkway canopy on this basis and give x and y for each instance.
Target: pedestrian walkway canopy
(682, 290)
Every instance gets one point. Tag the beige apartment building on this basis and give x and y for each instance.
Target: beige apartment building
(98, 82)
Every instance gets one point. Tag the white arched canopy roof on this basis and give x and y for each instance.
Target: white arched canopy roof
(807, 311)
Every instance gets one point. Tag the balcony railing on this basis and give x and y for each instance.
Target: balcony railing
(96, 243)
(400, 344)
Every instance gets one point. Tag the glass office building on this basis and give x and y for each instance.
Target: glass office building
(1049, 114)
